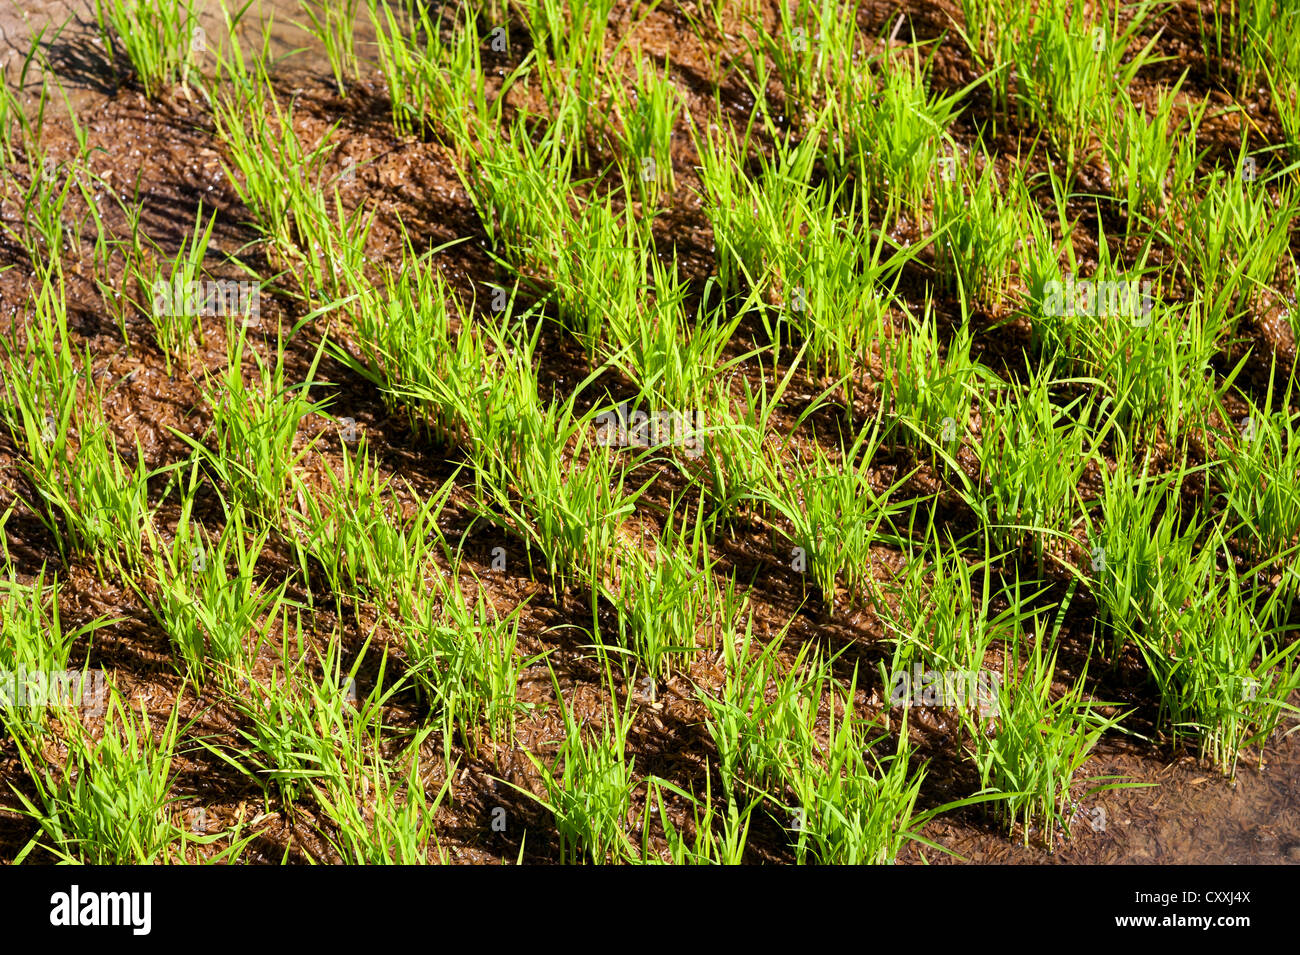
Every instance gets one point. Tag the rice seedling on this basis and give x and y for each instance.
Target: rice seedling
(894, 136)
(646, 115)
(362, 548)
(333, 25)
(664, 598)
(462, 657)
(928, 389)
(109, 803)
(589, 786)
(836, 516)
(1150, 158)
(1260, 475)
(1033, 753)
(856, 807)
(390, 821)
(254, 427)
(979, 228)
(206, 596)
(1032, 453)
(1145, 556)
(37, 643)
(162, 40)
(1070, 64)
(1221, 684)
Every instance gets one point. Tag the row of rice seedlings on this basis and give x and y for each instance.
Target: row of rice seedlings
(161, 39)
(113, 801)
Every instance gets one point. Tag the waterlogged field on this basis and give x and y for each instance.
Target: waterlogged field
(650, 432)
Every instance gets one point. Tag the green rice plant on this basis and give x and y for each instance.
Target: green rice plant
(708, 846)
(1032, 454)
(390, 821)
(993, 31)
(569, 44)
(1146, 554)
(305, 734)
(462, 657)
(179, 299)
(665, 597)
(35, 641)
(1038, 745)
(429, 79)
(566, 505)
(520, 189)
(348, 529)
(822, 273)
(1260, 475)
(1221, 684)
(274, 173)
(739, 453)
(162, 39)
(1241, 234)
(854, 807)
(589, 786)
(255, 427)
(1150, 158)
(332, 23)
(940, 610)
(811, 47)
(754, 718)
(892, 132)
(926, 388)
(646, 116)
(206, 596)
(979, 228)
(836, 516)
(109, 803)
(1248, 38)
(1070, 65)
